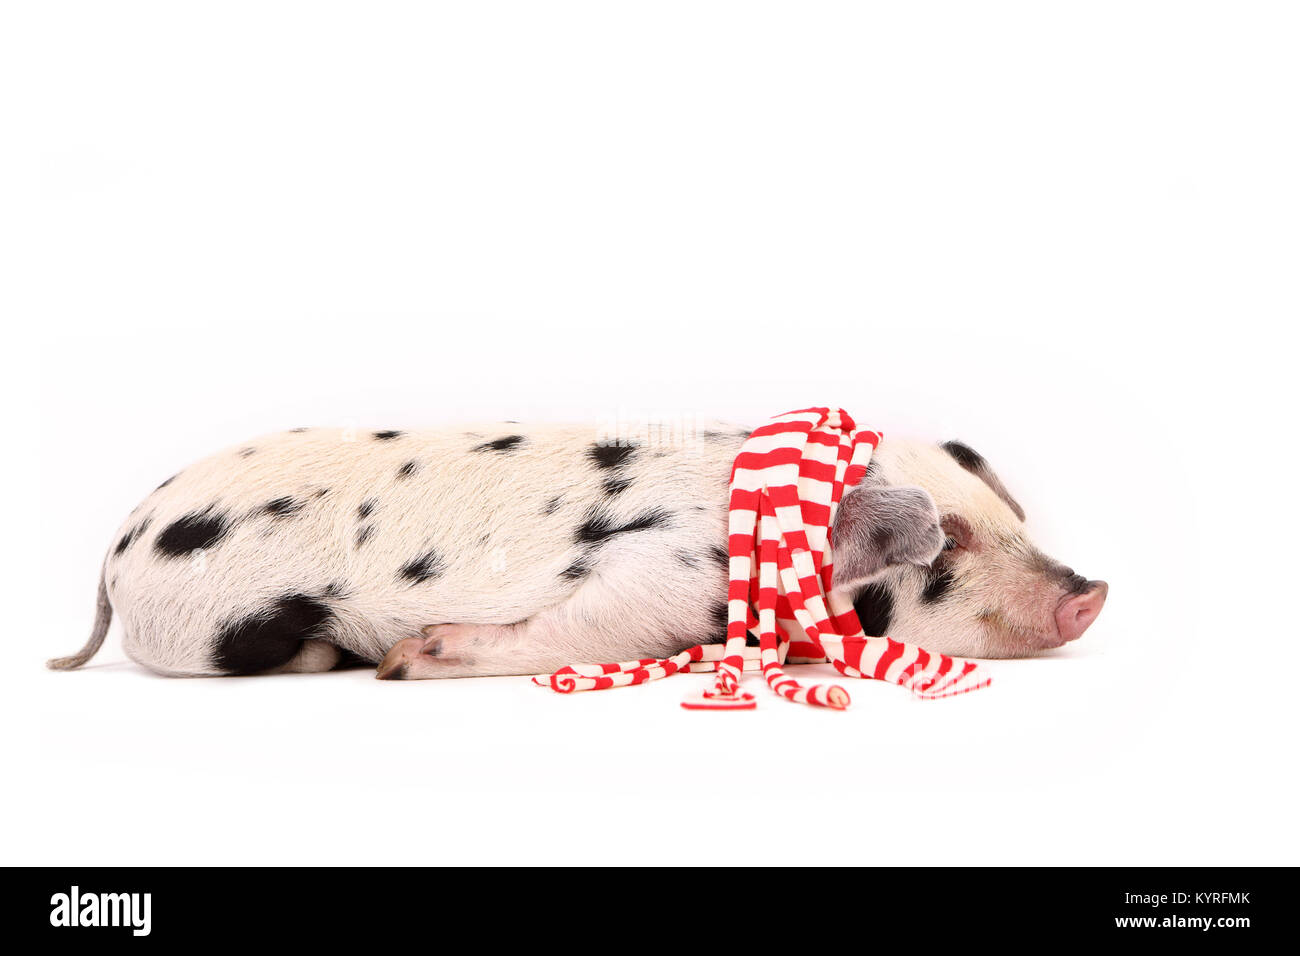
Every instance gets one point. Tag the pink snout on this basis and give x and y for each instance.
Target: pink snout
(1077, 611)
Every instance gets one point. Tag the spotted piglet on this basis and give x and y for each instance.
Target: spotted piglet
(501, 549)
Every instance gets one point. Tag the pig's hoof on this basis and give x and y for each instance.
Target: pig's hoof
(404, 657)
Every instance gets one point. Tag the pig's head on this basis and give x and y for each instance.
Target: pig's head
(934, 551)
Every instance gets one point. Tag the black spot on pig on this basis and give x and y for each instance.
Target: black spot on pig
(508, 443)
(975, 463)
(1071, 582)
(719, 554)
(282, 507)
(600, 527)
(938, 583)
(724, 437)
(366, 508)
(421, 569)
(610, 456)
(271, 637)
(364, 534)
(407, 470)
(576, 571)
(335, 589)
(965, 455)
(167, 482)
(245, 452)
(348, 660)
(385, 435)
(191, 532)
(131, 536)
(614, 486)
(686, 559)
(552, 505)
(322, 492)
(875, 609)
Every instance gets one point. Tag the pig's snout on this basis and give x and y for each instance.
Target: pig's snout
(1077, 611)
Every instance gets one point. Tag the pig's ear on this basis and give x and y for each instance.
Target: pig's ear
(877, 528)
(975, 463)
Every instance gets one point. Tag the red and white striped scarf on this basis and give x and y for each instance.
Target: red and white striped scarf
(786, 486)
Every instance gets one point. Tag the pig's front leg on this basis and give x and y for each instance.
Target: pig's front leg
(577, 631)
(481, 650)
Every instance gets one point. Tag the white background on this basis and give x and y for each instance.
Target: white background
(1065, 233)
